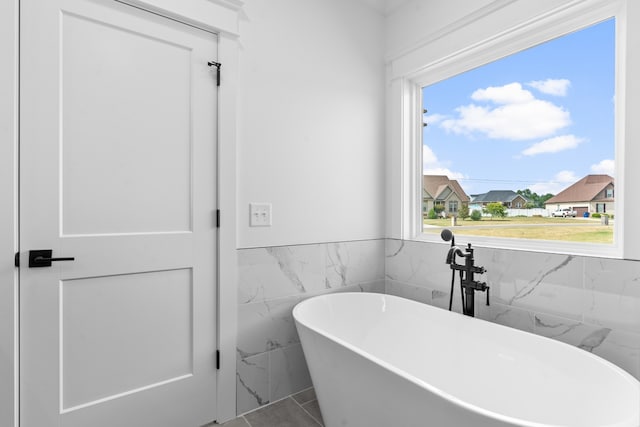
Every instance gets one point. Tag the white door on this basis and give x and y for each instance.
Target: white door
(117, 170)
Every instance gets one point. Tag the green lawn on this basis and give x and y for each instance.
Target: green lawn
(564, 229)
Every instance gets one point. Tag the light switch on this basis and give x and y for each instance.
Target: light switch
(260, 214)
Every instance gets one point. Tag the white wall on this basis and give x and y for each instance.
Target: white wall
(311, 121)
(8, 314)
(416, 20)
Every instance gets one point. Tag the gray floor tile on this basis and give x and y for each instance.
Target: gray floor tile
(238, 422)
(285, 413)
(305, 396)
(314, 410)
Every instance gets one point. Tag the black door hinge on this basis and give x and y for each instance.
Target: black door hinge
(217, 218)
(16, 259)
(217, 65)
(218, 359)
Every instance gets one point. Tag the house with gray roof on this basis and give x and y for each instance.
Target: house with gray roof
(510, 199)
(593, 194)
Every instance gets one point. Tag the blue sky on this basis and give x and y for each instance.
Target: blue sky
(540, 119)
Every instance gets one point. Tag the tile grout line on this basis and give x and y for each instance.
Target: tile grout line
(307, 412)
(246, 421)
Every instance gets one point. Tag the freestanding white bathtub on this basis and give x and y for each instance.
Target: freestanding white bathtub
(378, 360)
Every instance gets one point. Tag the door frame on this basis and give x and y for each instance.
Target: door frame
(223, 20)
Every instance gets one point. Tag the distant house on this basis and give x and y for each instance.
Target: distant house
(440, 190)
(593, 194)
(510, 199)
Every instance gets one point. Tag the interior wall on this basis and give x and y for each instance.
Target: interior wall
(417, 20)
(8, 299)
(311, 121)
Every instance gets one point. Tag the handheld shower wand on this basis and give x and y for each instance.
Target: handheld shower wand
(447, 235)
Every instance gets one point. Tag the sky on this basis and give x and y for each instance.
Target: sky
(540, 119)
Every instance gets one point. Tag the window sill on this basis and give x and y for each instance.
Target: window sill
(546, 246)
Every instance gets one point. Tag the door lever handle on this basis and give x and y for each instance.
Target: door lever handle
(43, 258)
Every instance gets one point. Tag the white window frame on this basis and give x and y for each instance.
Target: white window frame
(408, 75)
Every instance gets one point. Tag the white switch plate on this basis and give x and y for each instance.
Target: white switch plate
(260, 214)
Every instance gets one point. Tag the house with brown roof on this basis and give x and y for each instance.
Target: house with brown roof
(593, 194)
(440, 190)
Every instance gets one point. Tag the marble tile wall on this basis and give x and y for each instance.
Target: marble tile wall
(592, 303)
(271, 281)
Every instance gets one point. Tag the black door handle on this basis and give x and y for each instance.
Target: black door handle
(42, 258)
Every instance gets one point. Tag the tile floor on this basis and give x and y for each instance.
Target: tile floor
(299, 410)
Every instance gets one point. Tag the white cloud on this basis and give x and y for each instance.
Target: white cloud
(566, 177)
(553, 145)
(560, 181)
(606, 166)
(433, 119)
(519, 121)
(511, 93)
(432, 166)
(557, 87)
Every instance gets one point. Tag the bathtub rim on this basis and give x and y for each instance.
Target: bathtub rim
(437, 391)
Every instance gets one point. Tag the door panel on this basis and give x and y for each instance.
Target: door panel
(117, 169)
(106, 93)
(115, 323)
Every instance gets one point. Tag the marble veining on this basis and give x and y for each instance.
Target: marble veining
(288, 263)
(594, 339)
(612, 294)
(396, 247)
(590, 303)
(350, 263)
(271, 281)
(259, 399)
(270, 273)
(533, 284)
(266, 325)
(337, 256)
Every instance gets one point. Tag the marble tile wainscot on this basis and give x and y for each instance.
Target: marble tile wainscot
(272, 280)
(592, 303)
(589, 302)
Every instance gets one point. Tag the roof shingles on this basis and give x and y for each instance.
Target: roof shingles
(585, 190)
(436, 184)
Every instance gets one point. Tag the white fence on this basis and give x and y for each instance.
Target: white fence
(528, 212)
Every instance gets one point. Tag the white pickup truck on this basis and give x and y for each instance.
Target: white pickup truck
(564, 213)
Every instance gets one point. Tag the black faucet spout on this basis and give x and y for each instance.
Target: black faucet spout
(451, 255)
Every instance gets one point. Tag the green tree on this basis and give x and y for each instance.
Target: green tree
(463, 212)
(476, 215)
(432, 214)
(537, 200)
(496, 209)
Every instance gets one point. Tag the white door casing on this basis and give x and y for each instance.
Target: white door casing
(117, 169)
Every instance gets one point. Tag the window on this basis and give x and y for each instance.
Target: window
(468, 46)
(524, 127)
(453, 207)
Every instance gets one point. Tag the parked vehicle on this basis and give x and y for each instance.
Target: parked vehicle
(564, 213)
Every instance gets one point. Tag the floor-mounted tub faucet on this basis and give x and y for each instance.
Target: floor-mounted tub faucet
(468, 285)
